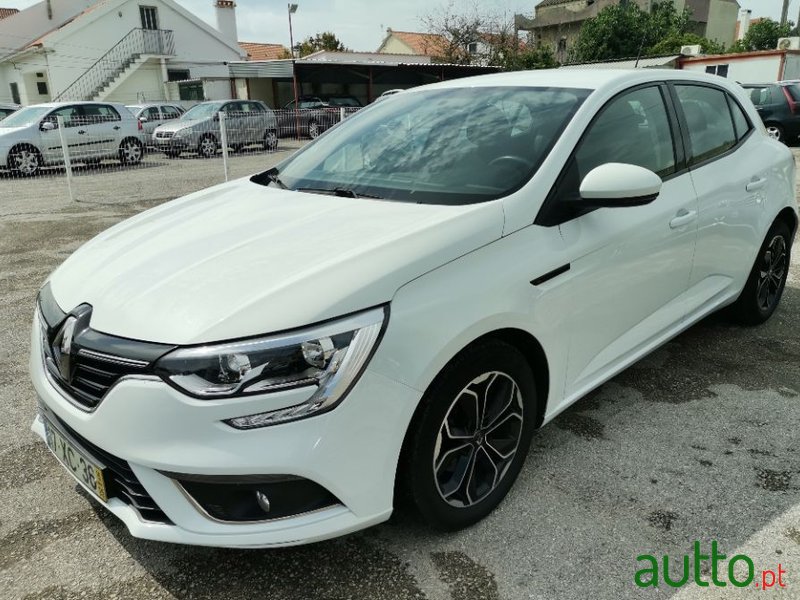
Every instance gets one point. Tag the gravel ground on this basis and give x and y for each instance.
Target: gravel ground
(696, 442)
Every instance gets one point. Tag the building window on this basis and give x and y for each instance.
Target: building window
(721, 70)
(41, 87)
(178, 74)
(14, 92)
(149, 16)
(191, 91)
(472, 47)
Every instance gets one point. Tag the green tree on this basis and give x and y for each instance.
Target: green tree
(322, 41)
(625, 30)
(674, 43)
(762, 35)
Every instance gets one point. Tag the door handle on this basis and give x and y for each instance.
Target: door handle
(82, 131)
(682, 218)
(756, 184)
(116, 127)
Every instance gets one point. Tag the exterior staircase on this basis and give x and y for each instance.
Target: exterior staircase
(123, 58)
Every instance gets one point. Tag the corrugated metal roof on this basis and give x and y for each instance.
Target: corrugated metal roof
(663, 62)
(365, 58)
(261, 68)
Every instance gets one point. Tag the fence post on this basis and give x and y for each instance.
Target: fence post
(65, 152)
(223, 136)
(341, 114)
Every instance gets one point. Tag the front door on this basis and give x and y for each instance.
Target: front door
(628, 267)
(51, 139)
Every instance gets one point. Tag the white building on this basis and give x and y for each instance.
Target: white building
(763, 66)
(117, 50)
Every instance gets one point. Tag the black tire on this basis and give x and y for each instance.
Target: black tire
(25, 160)
(776, 131)
(207, 146)
(767, 280)
(433, 453)
(131, 151)
(313, 129)
(270, 140)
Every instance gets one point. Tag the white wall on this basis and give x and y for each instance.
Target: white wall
(217, 90)
(791, 69)
(143, 85)
(27, 25)
(762, 69)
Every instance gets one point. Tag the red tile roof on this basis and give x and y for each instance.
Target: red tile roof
(7, 12)
(256, 51)
(427, 44)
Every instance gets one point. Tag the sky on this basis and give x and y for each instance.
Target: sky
(361, 24)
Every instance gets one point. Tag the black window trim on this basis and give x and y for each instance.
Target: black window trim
(552, 211)
(682, 118)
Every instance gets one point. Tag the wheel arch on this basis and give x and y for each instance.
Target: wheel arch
(788, 216)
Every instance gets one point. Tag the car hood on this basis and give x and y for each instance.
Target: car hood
(241, 259)
(12, 132)
(178, 124)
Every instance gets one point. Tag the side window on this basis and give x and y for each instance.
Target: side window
(760, 96)
(71, 114)
(634, 129)
(233, 109)
(170, 112)
(711, 131)
(98, 113)
(740, 120)
(255, 107)
(152, 114)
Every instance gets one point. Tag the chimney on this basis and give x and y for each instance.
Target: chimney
(226, 19)
(744, 23)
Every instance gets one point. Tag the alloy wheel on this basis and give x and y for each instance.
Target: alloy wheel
(771, 273)
(131, 152)
(313, 129)
(478, 439)
(26, 161)
(774, 132)
(208, 147)
(270, 140)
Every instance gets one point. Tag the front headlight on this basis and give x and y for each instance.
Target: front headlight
(330, 357)
(180, 133)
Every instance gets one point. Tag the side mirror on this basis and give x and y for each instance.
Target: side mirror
(216, 116)
(143, 119)
(47, 126)
(617, 185)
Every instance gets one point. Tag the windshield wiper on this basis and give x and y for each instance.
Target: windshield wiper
(338, 191)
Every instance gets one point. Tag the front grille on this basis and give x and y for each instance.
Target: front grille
(121, 482)
(93, 375)
(164, 134)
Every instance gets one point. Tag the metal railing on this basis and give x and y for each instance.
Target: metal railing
(114, 62)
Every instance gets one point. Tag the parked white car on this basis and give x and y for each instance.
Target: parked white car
(7, 109)
(93, 131)
(154, 114)
(400, 305)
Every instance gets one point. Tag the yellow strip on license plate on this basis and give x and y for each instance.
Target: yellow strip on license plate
(75, 461)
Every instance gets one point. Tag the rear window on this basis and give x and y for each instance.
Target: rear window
(794, 91)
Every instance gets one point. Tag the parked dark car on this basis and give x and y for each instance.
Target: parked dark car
(314, 114)
(778, 105)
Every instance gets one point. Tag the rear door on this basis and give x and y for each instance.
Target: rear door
(730, 176)
(627, 269)
(100, 131)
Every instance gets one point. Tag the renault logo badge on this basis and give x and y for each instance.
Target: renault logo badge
(63, 342)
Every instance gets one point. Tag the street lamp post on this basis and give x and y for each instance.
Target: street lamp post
(292, 10)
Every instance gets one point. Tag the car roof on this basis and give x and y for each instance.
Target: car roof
(74, 103)
(579, 77)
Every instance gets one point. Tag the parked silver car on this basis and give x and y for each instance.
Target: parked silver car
(154, 114)
(93, 131)
(246, 122)
(6, 109)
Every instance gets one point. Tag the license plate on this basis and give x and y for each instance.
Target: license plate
(75, 461)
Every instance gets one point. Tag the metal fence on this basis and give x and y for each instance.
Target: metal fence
(103, 162)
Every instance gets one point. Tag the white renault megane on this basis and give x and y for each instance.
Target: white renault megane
(393, 310)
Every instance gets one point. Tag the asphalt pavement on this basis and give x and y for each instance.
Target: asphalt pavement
(698, 441)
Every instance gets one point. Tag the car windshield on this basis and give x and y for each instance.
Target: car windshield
(25, 117)
(442, 146)
(202, 111)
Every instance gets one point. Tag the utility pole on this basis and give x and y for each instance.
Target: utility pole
(785, 12)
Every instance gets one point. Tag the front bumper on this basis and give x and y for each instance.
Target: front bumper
(351, 451)
(172, 144)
